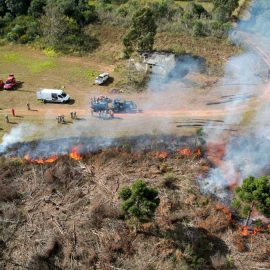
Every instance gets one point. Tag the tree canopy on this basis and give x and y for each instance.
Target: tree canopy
(139, 201)
(253, 190)
(141, 35)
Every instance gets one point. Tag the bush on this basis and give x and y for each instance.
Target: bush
(253, 190)
(139, 202)
(198, 29)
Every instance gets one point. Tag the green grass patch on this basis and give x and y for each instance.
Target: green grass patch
(11, 57)
(91, 74)
(40, 66)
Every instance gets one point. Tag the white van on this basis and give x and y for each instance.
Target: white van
(53, 95)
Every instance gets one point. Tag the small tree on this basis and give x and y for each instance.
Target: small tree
(226, 7)
(141, 35)
(253, 191)
(197, 29)
(139, 202)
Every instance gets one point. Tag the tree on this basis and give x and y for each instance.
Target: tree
(253, 190)
(141, 35)
(3, 7)
(197, 29)
(36, 8)
(18, 7)
(79, 10)
(139, 202)
(53, 25)
(227, 7)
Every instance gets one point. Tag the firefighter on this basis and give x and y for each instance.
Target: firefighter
(75, 115)
(6, 118)
(62, 119)
(13, 112)
(111, 113)
(28, 106)
(58, 119)
(72, 115)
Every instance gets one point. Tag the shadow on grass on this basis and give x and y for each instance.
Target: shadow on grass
(198, 243)
(108, 82)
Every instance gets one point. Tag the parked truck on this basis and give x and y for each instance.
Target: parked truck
(106, 106)
(53, 95)
(10, 83)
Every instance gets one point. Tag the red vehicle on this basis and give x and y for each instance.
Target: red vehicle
(10, 83)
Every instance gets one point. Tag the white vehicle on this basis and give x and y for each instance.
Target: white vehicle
(53, 95)
(102, 78)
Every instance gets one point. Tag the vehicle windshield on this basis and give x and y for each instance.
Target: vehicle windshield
(64, 94)
(100, 77)
(8, 82)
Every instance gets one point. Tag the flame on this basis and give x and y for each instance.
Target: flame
(74, 154)
(161, 154)
(225, 210)
(188, 152)
(244, 231)
(184, 151)
(50, 159)
(198, 152)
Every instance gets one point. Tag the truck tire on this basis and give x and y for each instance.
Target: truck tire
(44, 101)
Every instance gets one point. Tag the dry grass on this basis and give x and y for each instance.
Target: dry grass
(70, 218)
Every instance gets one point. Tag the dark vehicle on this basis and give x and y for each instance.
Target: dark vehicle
(101, 106)
(123, 106)
(105, 107)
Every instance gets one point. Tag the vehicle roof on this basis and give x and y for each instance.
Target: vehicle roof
(56, 91)
(104, 74)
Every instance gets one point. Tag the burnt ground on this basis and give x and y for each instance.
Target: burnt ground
(65, 215)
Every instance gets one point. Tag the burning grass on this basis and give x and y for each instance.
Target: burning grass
(69, 213)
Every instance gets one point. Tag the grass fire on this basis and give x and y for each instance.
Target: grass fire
(134, 135)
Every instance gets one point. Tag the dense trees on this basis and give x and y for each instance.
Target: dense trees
(141, 34)
(223, 9)
(56, 23)
(253, 190)
(52, 22)
(17, 7)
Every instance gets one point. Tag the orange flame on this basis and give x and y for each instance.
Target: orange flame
(225, 210)
(244, 231)
(74, 154)
(161, 154)
(50, 159)
(184, 151)
(198, 152)
(188, 152)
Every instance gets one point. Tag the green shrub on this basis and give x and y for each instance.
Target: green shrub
(198, 29)
(253, 190)
(139, 202)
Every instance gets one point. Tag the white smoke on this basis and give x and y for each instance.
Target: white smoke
(18, 134)
(249, 150)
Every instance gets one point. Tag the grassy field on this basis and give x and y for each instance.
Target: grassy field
(44, 69)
